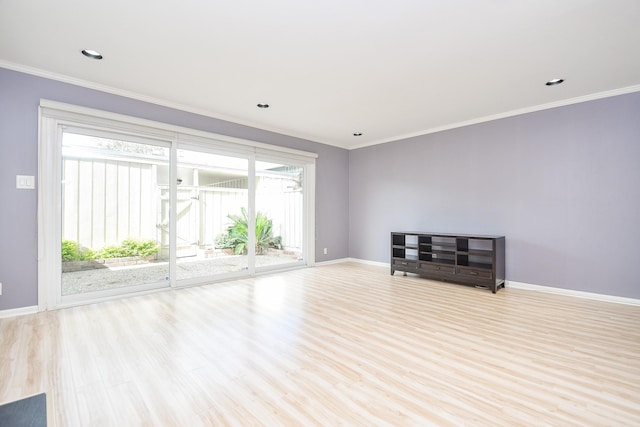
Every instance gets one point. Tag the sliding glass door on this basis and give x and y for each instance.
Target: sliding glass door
(211, 223)
(128, 206)
(113, 219)
(280, 217)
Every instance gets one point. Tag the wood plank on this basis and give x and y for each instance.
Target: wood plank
(344, 344)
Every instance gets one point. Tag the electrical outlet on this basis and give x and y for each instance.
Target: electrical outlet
(0, 288)
(326, 251)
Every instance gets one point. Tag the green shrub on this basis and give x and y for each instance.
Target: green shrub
(237, 236)
(224, 241)
(130, 248)
(72, 251)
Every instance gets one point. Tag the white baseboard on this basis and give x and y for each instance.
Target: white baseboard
(572, 293)
(365, 261)
(18, 311)
(509, 284)
(525, 286)
(361, 261)
(331, 262)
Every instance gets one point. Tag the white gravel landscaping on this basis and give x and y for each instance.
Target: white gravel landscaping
(77, 282)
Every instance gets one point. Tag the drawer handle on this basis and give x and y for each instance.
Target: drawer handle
(473, 273)
(404, 263)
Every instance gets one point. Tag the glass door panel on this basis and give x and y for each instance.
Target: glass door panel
(279, 214)
(211, 224)
(113, 218)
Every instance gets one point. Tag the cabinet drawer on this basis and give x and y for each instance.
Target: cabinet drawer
(436, 268)
(404, 263)
(475, 272)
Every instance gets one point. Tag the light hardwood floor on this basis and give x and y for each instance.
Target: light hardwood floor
(344, 344)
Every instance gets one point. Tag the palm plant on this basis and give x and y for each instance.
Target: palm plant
(238, 233)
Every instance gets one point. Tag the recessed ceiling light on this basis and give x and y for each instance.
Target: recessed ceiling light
(263, 105)
(357, 134)
(91, 54)
(554, 82)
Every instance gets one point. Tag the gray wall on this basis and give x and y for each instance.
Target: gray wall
(563, 186)
(20, 95)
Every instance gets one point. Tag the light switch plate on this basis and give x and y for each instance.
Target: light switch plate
(25, 182)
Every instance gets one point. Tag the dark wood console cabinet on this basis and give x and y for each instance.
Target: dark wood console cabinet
(460, 258)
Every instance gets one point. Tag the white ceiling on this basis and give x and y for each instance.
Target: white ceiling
(329, 68)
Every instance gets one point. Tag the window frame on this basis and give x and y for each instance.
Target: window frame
(54, 117)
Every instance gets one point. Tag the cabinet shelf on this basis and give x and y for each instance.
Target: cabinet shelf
(460, 258)
(477, 252)
(408, 257)
(405, 247)
(439, 252)
(440, 261)
(478, 265)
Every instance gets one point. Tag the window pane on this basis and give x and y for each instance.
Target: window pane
(114, 217)
(280, 214)
(211, 219)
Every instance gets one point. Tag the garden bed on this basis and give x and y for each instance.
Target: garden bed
(94, 264)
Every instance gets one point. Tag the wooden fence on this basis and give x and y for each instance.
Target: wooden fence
(107, 201)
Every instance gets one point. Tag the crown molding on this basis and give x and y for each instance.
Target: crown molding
(512, 113)
(156, 101)
(287, 132)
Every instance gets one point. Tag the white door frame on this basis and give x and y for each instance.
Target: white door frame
(54, 115)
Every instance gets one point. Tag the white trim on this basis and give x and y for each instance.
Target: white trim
(173, 220)
(42, 271)
(156, 101)
(55, 116)
(183, 285)
(279, 268)
(13, 312)
(358, 260)
(309, 212)
(331, 262)
(368, 262)
(512, 113)
(48, 199)
(207, 113)
(572, 293)
(518, 285)
(83, 300)
(85, 115)
(251, 211)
